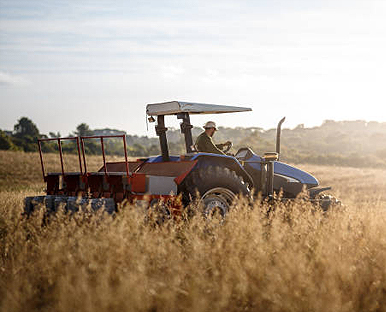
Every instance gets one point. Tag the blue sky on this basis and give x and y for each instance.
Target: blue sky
(101, 62)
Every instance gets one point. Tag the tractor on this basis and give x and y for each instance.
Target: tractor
(174, 180)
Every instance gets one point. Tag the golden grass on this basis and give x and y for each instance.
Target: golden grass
(297, 259)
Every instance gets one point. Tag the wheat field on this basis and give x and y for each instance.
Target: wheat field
(294, 259)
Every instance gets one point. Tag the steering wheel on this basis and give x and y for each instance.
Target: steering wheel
(227, 149)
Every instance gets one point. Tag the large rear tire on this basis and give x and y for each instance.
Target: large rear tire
(216, 187)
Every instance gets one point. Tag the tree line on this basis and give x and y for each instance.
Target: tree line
(25, 135)
(342, 143)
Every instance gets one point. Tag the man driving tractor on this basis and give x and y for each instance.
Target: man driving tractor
(204, 142)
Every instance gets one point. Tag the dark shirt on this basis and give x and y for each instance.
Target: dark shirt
(204, 143)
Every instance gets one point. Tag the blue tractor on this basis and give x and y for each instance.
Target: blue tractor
(218, 178)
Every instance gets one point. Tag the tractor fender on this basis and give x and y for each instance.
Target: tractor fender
(208, 159)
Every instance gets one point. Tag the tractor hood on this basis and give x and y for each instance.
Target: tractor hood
(295, 173)
(292, 174)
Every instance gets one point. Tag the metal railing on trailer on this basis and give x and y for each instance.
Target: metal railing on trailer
(59, 141)
(80, 146)
(102, 137)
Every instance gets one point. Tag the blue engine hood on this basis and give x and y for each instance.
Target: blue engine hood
(295, 173)
(286, 170)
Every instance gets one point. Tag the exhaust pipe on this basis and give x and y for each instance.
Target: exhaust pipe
(278, 135)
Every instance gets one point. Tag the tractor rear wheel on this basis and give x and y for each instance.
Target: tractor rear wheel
(216, 187)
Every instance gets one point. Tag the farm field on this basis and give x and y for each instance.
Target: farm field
(297, 259)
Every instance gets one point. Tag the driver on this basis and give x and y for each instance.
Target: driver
(204, 142)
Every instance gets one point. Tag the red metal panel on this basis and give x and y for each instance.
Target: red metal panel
(167, 169)
(182, 177)
(95, 184)
(52, 184)
(120, 166)
(72, 183)
(138, 183)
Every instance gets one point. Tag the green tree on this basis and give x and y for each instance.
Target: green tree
(91, 146)
(54, 135)
(6, 142)
(83, 130)
(26, 134)
(25, 127)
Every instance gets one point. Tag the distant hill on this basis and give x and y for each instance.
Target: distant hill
(343, 143)
(351, 143)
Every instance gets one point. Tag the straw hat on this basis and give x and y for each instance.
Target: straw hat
(210, 124)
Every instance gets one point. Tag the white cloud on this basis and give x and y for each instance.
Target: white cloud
(172, 71)
(7, 79)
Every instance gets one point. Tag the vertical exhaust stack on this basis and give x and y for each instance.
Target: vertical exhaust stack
(278, 136)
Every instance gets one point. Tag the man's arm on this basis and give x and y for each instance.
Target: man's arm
(205, 144)
(221, 146)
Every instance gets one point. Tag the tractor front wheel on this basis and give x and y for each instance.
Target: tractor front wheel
(216, 187)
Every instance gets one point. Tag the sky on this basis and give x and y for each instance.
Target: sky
(100, 62)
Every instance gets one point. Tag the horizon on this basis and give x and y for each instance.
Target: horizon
(64, 63)
(152, 134)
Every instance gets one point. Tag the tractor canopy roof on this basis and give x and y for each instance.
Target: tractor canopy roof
(176, 107)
